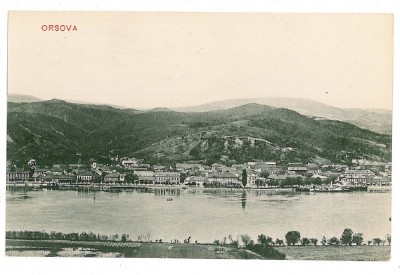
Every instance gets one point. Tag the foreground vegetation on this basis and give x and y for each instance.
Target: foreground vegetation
(42, 235)
(261, 250)
(294, 238)
(350, 246)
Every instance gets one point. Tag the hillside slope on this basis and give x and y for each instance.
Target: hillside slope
(375, 120)
(55, 131)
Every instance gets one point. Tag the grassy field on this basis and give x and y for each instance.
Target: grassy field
(337, 253)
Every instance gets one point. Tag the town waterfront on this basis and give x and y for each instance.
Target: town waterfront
(203, 214)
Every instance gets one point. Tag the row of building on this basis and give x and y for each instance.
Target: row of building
(259, 173)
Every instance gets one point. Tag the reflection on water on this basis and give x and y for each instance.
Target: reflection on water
(166, 192)
(21, 196)
(243, 199)
(204, 214)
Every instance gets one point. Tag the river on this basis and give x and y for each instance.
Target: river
(202, 214)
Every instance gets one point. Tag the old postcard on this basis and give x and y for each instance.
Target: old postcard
(199, 135)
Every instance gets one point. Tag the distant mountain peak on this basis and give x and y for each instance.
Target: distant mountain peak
(159, 109)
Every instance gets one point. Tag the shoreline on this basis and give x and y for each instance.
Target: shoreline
(119, 188)
(108, 187)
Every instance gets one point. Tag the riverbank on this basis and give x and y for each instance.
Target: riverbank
(88, 187)
(42, 248)
(35, 186)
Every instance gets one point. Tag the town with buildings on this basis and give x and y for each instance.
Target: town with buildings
(254, 174)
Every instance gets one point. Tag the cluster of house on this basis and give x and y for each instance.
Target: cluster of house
(261, 173)
(258, 173)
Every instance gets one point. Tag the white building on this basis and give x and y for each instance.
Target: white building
(167, 177)
(251, 180)
(223, 178)
(130, 162)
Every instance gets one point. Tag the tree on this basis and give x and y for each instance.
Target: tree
(183, 176)
(130, 178)
(314, 241)
(250, 245)
(31, 166)
(245, 239)
(261, 239)
(377, 241)
(244, 177)
(305, 241)
(124, 237)
(13, 168)
(323, 241)
(279, 242)
(316, 181)
(224, 241)
(265, 174)
(234, 243)
(389, 238)
(347, 236)
(292, 237)
(265, 240)
(333, 241)
(358, 238)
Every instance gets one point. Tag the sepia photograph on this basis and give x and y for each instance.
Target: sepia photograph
(199, 135)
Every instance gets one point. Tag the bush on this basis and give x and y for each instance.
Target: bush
(267, 251)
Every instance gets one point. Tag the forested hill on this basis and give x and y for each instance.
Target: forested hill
(371, 119)
(55, 131)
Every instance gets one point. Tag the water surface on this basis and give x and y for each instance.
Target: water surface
(205, 215)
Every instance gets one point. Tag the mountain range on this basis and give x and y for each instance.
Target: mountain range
(377, 120)
(56, 131)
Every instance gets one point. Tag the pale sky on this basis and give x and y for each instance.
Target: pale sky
(145, 60)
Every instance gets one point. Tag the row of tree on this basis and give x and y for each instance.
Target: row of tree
(291, 238)
(84, 236)
(294, 238)
(347, 238)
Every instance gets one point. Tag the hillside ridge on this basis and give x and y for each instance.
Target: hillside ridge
(55, 131)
